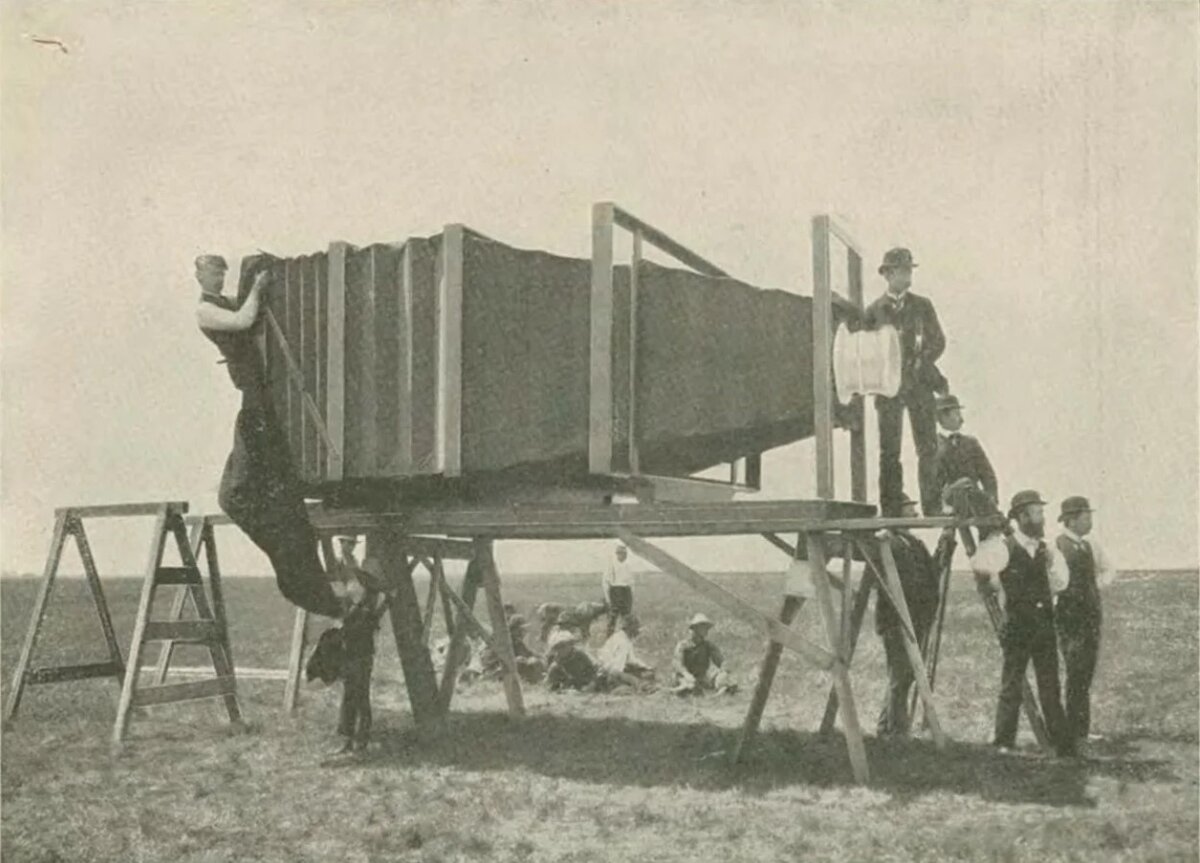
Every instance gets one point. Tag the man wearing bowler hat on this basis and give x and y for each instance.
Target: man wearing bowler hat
(1077, 614)
(921, 345)
(1032, 574)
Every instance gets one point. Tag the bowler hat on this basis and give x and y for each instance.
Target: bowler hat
(1023, 499)
(1073, 506)
(947, 402)
(898, 257)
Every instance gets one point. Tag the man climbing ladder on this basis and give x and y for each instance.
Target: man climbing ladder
(259, 489)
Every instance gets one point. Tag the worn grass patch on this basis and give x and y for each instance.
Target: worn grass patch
(588, 777)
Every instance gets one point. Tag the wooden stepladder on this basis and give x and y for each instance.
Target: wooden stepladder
(208, 628)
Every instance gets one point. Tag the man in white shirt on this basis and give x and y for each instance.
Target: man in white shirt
(1077, 614)
(1030, 575)
(618, 659)
(617, 585)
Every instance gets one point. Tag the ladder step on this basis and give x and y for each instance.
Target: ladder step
(182, 575)
(169, 693)
(74, 672)
(185, 631)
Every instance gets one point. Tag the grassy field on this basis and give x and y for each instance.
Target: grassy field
(605, 777)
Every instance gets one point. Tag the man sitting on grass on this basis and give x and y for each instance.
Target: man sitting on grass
(569, 666)
(619, 661)
(698, 663)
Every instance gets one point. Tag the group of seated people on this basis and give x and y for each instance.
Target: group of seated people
(568, 663)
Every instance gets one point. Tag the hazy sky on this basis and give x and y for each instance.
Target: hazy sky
(1039, 160)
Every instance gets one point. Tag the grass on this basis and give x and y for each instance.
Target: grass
(602, 777)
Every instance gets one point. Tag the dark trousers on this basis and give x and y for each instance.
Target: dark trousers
(923, 419)
(620, 602)
(354, 718)
(1079, 640)
(261, 494)
(1029, 635)
(893, 717)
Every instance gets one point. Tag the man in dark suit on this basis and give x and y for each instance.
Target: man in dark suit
(1077, 613)
(1031, 574)
(922, 343)
(919, 582)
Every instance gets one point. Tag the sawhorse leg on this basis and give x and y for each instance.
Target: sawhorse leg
(766, 676)
(839, 644)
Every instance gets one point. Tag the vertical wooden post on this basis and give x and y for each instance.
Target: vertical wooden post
(449, 371)
(896, 592)
(405, 374)
(335, 378)
(840, 671)
(430, 603)
(500, 635)
(634, 266)
(157, 544)
(600, 384)
(57, 540)
(822, 330)
(858, 434)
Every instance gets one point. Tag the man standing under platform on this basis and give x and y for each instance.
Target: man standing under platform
(919, 582)
(259, 489)
(1032, 574)
(617, 585)
(921, 345)
(1077, 614)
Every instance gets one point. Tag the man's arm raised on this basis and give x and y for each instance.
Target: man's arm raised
(213, 317)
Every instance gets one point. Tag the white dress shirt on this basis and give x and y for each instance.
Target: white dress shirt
(618, 574)
(1105, 573)
(996, 557)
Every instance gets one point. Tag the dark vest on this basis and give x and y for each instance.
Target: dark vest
(238, 348)
(1082, 593)
(1026, 580)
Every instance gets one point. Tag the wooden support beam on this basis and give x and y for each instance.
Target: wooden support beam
(600, 382)
(776, 631)
(858, 434)
(910, 643)
(458, 638)
(335, 379)
(404, 376)
(65, 524)
(468, 618)
(634, 267)
(62, 673)
(217, 687)
(449, 370)
(661, 241)
(133, 668)
(822, 341)
(766, 677)
(840, 670)
(97, 591)
(501, 637)
(405, 612)
(430, 603)
(862, 598)
(116, 510)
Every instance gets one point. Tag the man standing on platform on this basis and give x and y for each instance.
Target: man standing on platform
(919, 582)
(1077, 614)
(1033, 573)
(259, 488)
(921, 345)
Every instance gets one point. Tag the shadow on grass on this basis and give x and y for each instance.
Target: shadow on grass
(643, 753)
